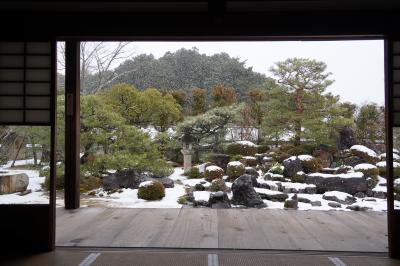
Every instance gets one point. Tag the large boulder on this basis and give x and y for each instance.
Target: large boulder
(129, 178)
(13, 182)
(346, 138)
(349, 183)
(292, 165)
(220, 160)
(245, 194)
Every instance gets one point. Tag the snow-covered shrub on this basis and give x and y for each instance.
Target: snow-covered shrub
(276, 169)
(299, 177)
(279, 156)
(218, 185)
(245, 148)
(312, 165)
(213, 172)
(193, 172)
(263, 148)
(249, 160)
(151, 190)
(367, 169)
(365, 153)
(89, 183)
(234, 170)
(382, 169)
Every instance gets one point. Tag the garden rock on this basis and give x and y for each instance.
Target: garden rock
(365, 153)
(272, 195)
(292, 166)
(358, 208)
(334, 204)
(350, 183)
(304, 200)
(346, 138)
(339, 197)
(359, 195)
(12, 183)
(251, 171)
(353, 160)
(199, 187)
(316, 203)
(324, 155)
(219, 200)
(244, 193)
(292, 203)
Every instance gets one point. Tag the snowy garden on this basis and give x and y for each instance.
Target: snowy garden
(279, 142)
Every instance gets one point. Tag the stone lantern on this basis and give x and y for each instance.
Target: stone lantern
(187, 151)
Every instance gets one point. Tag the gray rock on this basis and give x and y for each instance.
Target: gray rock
(129, 178)
(199, 187)
(349, 185)
(292, 203)
(219, 200)
(12, 183)
(316, 203)
(251, 171)
(281, 197)
(304, 200)
(358, 208)
(349, 200)
(334, 204)
(292, 167)
(359, 195)
(379, 194)
(244, 193)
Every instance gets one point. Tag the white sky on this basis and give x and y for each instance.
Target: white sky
(357, 66)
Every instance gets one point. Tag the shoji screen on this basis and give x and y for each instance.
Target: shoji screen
(25, 82)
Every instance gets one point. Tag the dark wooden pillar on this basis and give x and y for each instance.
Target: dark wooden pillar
(72, 124)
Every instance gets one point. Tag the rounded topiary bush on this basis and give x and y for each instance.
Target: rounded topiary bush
(245, 148)
(382, 169)
(151, 190)
(367, 169)
(277, 169)
(235, 169)
(218, 185)
(312, 165)
(213, 172)
(193, 173)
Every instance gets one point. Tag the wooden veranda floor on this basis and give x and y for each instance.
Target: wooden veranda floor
(223, 228)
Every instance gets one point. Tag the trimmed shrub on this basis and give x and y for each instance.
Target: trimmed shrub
(218, 185)
(193, 173)
(182, 200)
(263, 148)
(382, 169)
(245, 148)
(213, 172)
(280, 156)
(236, 157)
(367, 169)
(249, 161)
(277, 169)
(311, 166)
(234, 170)
(90, 183)
(151, 190)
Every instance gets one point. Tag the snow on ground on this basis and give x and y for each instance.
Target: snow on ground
(383, 164)
(35, 184)
(267, 191)
(381, 185)
(201, 195)
(193, 182)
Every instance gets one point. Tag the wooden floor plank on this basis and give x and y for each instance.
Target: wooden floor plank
(195, 228)
(224, 228)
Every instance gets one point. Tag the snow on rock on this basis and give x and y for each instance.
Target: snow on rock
(364, 149)
(380, 185)
(305, 157)
(249, 158)
(364, 166)
(348, 175)
(297, 186)
(338, 194)
(201, 195)
(146, 183)
(194, 182)
(235, 163)
(291, 158)
(246, 143)
(267, 191)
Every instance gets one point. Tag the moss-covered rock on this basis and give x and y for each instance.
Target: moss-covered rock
(245, 148)
(213, 172)
(151, 190)
(235, 169)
